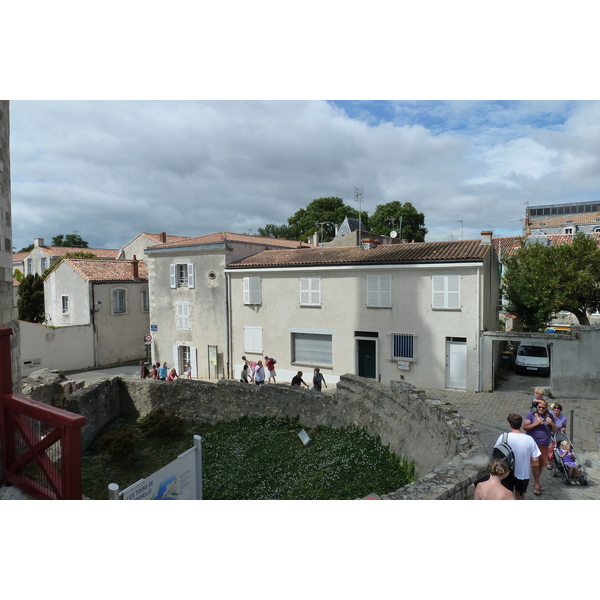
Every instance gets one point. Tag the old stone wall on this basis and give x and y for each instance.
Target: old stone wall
(447, 451)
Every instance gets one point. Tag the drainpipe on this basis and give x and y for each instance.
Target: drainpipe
(479, 384)
(94, 331)
(228, 323)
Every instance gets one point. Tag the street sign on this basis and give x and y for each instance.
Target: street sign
(147, 338)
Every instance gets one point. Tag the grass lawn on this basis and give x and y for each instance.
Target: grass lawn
(251, 459)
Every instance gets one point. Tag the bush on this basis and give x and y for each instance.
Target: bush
(119, 443)
(160, 423)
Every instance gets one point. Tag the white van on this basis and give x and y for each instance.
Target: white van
(533, 357)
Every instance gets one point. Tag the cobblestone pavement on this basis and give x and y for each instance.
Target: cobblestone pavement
(488, 411)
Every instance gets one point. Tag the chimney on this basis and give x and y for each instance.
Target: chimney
(37, 242)
(368, 243)
(162, 236)
(134, 268)
(486, 238)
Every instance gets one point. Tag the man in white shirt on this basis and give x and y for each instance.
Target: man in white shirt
(526, 455)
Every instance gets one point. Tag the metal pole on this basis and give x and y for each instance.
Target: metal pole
(571, 426)
(198, 465)
(113, 491)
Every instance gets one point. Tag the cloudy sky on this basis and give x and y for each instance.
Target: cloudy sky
(109, 170)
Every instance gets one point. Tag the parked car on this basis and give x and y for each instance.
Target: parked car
(533, 357)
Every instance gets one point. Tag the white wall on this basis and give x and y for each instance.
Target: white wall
(63, 348)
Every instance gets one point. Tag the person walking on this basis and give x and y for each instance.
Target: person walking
(526, 454)
(318, 380)
(297, 380)
(163, 372)
(540, 426)
(259, 373)
(270, 364)
(492, 488)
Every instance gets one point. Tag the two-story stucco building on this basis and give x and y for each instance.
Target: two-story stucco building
(414, 312)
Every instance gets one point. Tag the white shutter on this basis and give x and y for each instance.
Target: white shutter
(173, 275)
(445, 291)
(438, 293)
(194, 361)
(315, 291)
(176, 359)
(372, 290)
(183, 316)
(253, 339)
(385, 290)
(246, 290)
(190, 268)
(255, 291)
(304, 290)
(453, 291)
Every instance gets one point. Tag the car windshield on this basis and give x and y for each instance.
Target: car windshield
(537, 351)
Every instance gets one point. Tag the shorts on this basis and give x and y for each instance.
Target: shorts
(512, 483)
(272, 373)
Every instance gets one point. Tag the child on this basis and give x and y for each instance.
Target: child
(569, 459)
(188, 370)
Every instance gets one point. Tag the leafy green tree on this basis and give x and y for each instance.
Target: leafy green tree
(76, 254)
(30, 304)
(71, 240)
(388, 217)
(329, 211)
(539, 281)
(27, 248)
(18, 275)
(274, 231)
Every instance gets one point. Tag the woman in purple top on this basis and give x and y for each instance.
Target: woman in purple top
(540, 426)
(560, 420)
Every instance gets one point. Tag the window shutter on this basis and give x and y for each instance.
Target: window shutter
(453, 283)
(172, 273)
(438, 291)
(190, 275)
(385, 290)
(246, 290)
(176, 359)
(372, 291)
(253, 339)
(304, 290)
(194, 361)
(183, 316)
(255, 291)
(315, 290)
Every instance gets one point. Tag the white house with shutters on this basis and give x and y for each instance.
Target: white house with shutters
(412, 312)
(190, 313)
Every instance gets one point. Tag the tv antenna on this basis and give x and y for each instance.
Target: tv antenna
(321, 224)
(358, 197)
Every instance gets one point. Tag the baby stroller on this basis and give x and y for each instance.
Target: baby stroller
(559, 464)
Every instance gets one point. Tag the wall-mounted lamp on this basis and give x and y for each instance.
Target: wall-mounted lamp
(98, 306)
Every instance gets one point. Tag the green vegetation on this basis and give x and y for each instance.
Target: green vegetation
(251, 459)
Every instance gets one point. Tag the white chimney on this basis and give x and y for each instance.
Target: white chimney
(486, 238)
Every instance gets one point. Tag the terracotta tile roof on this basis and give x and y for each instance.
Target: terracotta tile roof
(19, 256)
(98, 269)
(565, 220)
(467, 250)
(222, 237)
(556, 239)
(507, 245)
(57, 251)
(16, 282)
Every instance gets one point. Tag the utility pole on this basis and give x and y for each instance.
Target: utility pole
(358, 195)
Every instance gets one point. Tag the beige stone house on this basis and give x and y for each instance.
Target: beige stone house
(412, 312)
(142, 241)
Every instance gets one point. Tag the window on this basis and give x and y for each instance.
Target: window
(119, 301)
(403, 346)
(312, 348)
(310, 291)
(252, 290)
(182, 275)
(445, 291)
(145, 300)
(29, 266)
(183, 316)
(379, 291)
(253, 339)
(568, 231)
(44, 261)
(65, 305)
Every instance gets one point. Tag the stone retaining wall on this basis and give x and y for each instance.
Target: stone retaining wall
(447, 450)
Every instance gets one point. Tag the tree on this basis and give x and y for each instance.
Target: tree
(76, 254)
(326, 211)
(274, 231)
(539, 281)
(388, 217)
(30, 304)
(71, 240)
(27, 248)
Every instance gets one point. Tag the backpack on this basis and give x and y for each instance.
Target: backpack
(273, 361)
(503, 451)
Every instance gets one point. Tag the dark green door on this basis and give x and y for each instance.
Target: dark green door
(367, 366)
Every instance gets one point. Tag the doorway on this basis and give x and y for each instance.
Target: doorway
(367, 358)
(456, 363)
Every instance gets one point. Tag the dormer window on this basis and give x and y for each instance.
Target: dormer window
(568, 231)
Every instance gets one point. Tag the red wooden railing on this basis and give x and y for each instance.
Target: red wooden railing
(41, 444)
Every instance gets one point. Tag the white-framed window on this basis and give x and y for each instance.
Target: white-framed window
(253, 339)
(44, 263)
(403, 346)
(119, 304)
(312, 347)
(445, 291)
(29, 266)
(379, 291)
(181, 275)
(568, 231)
(183, 316)
(64, 300)
(252, 290)
(145, 300)
(310, 291)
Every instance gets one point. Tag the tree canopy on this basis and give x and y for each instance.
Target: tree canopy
(71, 240)
(539, 281)
(403, 218)
(30, 304)
(323, 214)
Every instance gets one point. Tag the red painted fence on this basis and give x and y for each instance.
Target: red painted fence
(41, 444)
